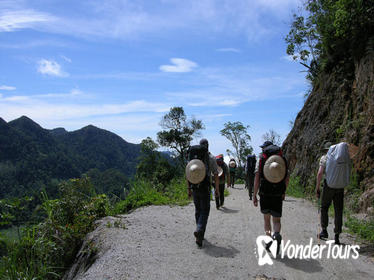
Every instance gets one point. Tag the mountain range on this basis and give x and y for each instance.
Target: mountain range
(33, 158)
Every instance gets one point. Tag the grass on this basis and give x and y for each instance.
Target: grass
(143, 193)
(295, 188)
(363, 229)
(11, 233)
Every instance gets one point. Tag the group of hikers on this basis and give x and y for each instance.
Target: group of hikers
(267, 177)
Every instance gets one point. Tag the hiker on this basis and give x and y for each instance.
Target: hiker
(271, 180)
(336, 165)
(198, 173)
(250, 166)
(223, 174)
(232, 165)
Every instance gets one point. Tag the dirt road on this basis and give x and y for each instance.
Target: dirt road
(158, 243)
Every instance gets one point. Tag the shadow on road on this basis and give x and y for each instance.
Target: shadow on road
(219, 252)
(367, 250)
(308, 266)
(228, 210)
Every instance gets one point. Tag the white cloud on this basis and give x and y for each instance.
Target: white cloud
(136, 19)
(35, 44)
(65, 58)
(230, 87)
(4, 87)
(20, 19)
(50, 67)
(179, 65)
(16, 98)
(228, 50)
(72, 94)
(39, 109)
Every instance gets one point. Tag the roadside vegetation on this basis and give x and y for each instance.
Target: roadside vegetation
(363, 229)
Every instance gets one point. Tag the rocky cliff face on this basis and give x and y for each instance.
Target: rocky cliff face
(337, 109)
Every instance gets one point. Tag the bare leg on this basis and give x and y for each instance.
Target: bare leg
(277, 224)
(267, 224)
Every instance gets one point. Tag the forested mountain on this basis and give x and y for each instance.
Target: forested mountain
(33, 158)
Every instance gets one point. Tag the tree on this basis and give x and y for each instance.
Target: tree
(178, 132)
(273, 137)
(153, 167)
(334, 34)
(148, 159)
(302, 39)
(237, 134)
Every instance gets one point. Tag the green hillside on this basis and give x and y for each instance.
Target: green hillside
(33, 158)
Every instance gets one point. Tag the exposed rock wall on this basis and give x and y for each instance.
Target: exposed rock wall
(336, 109)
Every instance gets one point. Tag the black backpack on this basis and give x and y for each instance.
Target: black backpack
(267, 188)
(251, 164)
(200, 152)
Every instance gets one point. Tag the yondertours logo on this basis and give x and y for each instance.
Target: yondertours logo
(267, 248)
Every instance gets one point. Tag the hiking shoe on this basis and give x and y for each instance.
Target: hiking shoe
(337, 241)
(324, 234)
(199, 235)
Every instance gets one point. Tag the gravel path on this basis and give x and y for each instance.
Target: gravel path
(158, 243)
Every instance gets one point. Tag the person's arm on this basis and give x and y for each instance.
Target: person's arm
(256, 186)
(227, 176)
(286, 181)
(319, 179)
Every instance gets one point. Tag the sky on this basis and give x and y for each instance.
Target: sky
(122, 64)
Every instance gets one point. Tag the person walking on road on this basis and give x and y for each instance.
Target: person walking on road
(336, 166)
(250, 167)
(271, 180)
(232, 166)
(199, 170)
(223, 174)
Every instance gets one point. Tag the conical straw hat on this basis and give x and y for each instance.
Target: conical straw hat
(195, 171)
(275, 169)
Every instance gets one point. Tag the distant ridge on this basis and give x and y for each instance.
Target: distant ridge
(31, 157)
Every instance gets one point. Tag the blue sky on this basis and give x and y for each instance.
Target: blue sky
(121, 65)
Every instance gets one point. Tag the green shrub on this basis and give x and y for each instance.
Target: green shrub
(143, 193)
(45, 251)
(364, 229)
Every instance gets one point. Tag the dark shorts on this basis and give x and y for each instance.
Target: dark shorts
(271, 205)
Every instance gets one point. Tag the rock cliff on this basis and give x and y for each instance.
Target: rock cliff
(337, 109)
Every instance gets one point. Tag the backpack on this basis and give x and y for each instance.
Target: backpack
(338, 166)
(200, 152)
(267, 188)
(251, 164)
